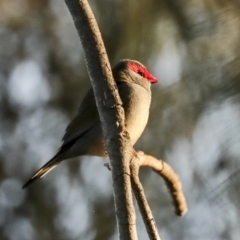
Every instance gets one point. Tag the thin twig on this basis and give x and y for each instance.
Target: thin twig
(145, 210)
(171, 179)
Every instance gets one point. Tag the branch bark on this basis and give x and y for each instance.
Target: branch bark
(124, 163)
(170, 177)
(144, 208)
(111, 114)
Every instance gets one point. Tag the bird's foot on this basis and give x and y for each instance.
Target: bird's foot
(108, 166)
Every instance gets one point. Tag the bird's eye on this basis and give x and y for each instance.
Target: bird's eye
(141, 73)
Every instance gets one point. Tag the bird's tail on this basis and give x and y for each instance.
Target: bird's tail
(49, 166)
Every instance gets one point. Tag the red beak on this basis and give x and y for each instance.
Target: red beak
(152, 79)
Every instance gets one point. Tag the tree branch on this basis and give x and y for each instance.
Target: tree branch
(111, 114)
(116, 137)
(144, 208)
(171, 179)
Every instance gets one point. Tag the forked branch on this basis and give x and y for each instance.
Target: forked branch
(119, 148)
(172, 181)
(170, 177)
(143, 205)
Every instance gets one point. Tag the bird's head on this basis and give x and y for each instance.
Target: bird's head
(132, 71)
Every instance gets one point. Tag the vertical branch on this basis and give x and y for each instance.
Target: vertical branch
(111, 114)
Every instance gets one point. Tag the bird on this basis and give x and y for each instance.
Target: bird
(84, 136)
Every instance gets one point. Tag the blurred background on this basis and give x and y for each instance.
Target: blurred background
(193, 47)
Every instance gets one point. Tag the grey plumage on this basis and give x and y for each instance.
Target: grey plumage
(84, 136)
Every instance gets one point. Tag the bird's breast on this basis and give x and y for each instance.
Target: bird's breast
(136, 103)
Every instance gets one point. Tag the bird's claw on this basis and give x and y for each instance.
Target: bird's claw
(108, 166)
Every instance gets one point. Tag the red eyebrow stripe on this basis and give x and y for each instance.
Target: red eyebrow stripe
(138, 68)
(135, 67)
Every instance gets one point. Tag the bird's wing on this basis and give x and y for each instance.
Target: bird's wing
(86, 118)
